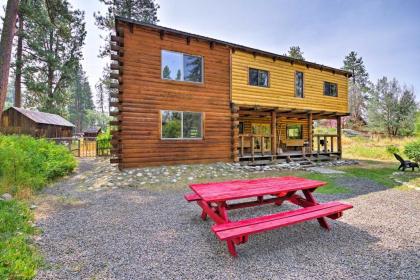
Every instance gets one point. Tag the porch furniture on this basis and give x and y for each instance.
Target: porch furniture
(405, 163)
(215, 199)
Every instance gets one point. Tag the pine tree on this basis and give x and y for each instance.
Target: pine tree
(392, 109)
(166, 72)
(295, 52)
(6, 42)
(178, 73)
(53, 48)
(358, 87)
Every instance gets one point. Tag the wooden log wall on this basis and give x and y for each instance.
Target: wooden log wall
(143, 94)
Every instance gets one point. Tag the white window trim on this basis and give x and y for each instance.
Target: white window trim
(182, 81)
(182, 126)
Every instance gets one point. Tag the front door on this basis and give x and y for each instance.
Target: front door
(261, 129)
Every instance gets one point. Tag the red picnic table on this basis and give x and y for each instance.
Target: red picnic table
(213, 198)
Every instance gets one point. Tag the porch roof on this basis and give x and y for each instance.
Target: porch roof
(264, 111)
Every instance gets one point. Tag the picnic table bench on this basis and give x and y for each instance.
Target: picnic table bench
(213, 198)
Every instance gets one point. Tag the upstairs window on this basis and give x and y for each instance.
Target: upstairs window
(258, 77)
(330, 89)
(181, 125)
(294, 131)
(299, 84)
(182, 67)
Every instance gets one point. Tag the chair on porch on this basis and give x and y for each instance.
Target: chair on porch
(405, 163)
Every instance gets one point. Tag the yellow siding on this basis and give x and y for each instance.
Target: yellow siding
(281, 91)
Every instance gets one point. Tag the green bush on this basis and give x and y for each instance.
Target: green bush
(27, 162)
(18, 257)
(412, 150)
(392, 149)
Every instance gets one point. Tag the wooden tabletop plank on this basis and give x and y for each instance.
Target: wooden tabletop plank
(236, 189)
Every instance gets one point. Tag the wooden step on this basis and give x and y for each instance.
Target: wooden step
(255, 225)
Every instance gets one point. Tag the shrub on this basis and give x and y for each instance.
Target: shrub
(392, 149)
(412, 150)
(27, 162)
(18, 258)
(103, 141)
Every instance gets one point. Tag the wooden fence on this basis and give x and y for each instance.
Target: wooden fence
(86, 146)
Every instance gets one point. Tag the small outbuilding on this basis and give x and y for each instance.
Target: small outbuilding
(92, 131)
(38, 124)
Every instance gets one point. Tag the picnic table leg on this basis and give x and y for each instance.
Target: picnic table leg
(231, 248)
(309, 197)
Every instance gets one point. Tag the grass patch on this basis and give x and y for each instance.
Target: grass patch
(18, 257)
(331, 188)
(379, 175)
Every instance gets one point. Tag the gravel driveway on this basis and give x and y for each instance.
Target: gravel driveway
(136, 233)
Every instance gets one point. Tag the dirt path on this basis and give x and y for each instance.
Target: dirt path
(103, 224)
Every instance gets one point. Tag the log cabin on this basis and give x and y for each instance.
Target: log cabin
(16, 120)
(183, 98)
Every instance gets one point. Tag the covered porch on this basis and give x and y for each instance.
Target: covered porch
(264, 133)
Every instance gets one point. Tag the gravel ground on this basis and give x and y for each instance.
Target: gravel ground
(134, 233)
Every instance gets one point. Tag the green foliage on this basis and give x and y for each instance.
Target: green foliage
(412, 150)
(295, 52)
(18, 258)
(418, 124)
(392, 109)
(31, 163)
(392, 149)
(104, 140)
(95, 118)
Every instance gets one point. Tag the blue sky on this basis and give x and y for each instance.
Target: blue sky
(385, 33)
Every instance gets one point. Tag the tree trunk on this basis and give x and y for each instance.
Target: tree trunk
(50, 81)
(18, 73)
(6, 43)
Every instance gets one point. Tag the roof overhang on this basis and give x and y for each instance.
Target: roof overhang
(290, 113)
(165, 30)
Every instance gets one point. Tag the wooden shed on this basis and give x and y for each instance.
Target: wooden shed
(92, 131)
(38, 124)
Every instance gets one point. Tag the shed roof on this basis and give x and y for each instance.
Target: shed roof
(93, 129)
(44, 118)
(234, 46)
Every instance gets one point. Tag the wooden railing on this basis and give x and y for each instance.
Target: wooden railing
(248, 142)
(325, 143)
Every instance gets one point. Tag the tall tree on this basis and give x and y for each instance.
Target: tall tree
(295, 52)
(81, 99)
(140, 10)
(358, 87)
(6, 43)
(53, 49)
(392, 109)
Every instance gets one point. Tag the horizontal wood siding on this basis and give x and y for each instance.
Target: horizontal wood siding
(281, 90)
(145, 94)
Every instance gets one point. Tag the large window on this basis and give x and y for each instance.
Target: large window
(181, 125)
(330, 89)
(294, 131)
(182, 67)
(299, 84)
(258, 77)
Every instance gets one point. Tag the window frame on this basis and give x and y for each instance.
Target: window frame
(182, 53)
(182, 126)
(301, 131)
(258, 70)
(303, 84)
(330, 83)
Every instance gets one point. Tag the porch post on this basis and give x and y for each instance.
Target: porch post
(235, 132)
(339, 135)
(273, 133)
(310, 132)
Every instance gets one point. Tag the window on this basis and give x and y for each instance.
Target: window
(294, 131)
(330, 89)
(181, 125)
(182, 67)
(299, 84)
(241, 127)
(258, 77)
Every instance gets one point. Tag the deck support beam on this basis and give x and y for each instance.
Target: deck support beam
(310, 132)
(339, 135)
(235, 132)
(273, 133)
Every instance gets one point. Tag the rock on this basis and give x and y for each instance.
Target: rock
(33, 206)
(139, 174)
(173, 181)
(190, 178)
(6, 197)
